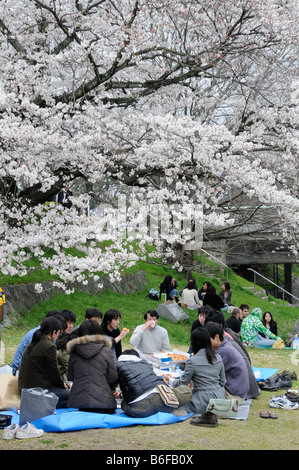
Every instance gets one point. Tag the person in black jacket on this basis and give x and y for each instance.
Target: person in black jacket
(110, 328)
(169, 286)
(233, 322)
(137, 379)
(212, 298)
(64, 197)
(269, 323)
(200, 321)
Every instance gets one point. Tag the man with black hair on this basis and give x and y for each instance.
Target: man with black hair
(90, 314)
(150, 337)
(94, 314)
(70, 319)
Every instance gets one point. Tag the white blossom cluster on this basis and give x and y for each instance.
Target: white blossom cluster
(185, 103)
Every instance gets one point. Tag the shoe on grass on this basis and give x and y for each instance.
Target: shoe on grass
(28, 431)
(10, 431)
(292, 395)
(206, 419)
(283, 402)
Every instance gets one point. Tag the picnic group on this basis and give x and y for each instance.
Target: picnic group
(86, 367)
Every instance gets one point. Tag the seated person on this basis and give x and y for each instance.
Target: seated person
(138, 384)
(202, 292)
(252, 329)
(190, 297)
(204, 370)
(200, 321)
(226, 294)
(65, 337)
(269, 322)
(150, 337)
(234, 339)
(90, 314)
(39, 367)
(70, 319)
(236, 373)
(92, 370)
(27, 338)
(169, 286)
(213, 299)
(180, 293)
(244, 311)
(110, 327)
(233, 322)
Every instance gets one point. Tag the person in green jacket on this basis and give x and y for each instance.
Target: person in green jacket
(251, 329)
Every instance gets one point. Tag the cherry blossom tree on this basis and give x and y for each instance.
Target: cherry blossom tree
(189, 105)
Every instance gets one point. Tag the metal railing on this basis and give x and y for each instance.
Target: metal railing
(276, 285)
(217, 260)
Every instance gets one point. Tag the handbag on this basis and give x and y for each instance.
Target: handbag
(222, 407)
(168, 397)
(36, 403)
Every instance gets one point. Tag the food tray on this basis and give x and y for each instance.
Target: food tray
(173, 357)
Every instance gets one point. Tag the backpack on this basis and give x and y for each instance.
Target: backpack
(153, 294)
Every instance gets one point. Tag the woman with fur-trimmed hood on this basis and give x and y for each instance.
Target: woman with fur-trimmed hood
(92, 370)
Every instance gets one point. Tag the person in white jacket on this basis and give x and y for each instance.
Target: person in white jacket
(190, 296)
(150, 337)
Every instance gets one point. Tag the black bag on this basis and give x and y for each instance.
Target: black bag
(36, 403)
(154, 294)
(5, 420)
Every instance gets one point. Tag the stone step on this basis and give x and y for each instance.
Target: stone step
(261, 293)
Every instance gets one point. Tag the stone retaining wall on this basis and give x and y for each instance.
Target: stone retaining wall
(20, 298)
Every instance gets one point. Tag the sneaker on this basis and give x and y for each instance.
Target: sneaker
(278, 398)
(27, 431)
(10, 431)
(283, 402)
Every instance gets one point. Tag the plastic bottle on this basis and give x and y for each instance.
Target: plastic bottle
(295, 344)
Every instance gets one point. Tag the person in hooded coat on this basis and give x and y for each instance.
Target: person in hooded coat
(252, 329)
(92, 370)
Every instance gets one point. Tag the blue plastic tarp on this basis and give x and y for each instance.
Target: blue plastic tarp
(74, 420)
(263, 373)
(70, 419)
